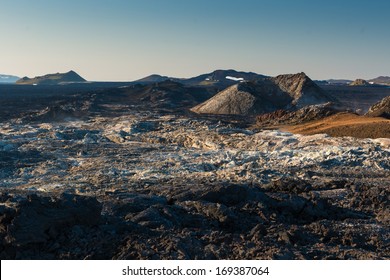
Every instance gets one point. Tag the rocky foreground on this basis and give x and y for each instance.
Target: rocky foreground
(145, 185)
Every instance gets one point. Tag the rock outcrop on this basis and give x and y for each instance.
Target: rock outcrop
(247, 98)
(302, 89)
(380, 109)
(265, 95)
(305, 114)
(359, 82)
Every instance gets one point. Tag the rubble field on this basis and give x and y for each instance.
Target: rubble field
(150, 185)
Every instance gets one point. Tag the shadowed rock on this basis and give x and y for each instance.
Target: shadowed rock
(380, 109)
(37, 219)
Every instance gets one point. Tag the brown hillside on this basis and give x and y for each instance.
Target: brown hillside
(345, 124)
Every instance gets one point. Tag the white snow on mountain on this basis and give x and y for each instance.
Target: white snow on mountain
(234, 79)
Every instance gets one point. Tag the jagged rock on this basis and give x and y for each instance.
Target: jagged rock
(380, 109)
(245, 99)
(302, 89)
(265, 95)
(64, 110)
(154, 217)
(305, 114)
(215, 211)
(227, 195)
(359, 82)
(35, 219)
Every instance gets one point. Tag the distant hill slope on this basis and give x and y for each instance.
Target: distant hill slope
(359, 82)
(220, 79)
(382, 80)
(155, 78)
(8, 79)
(265, 95)
(52, 79)
(338, 81)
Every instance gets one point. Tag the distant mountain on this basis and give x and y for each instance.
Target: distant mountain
(359, 82)
(222, 78)
(154, 79)
(338, 81)
(265, 95)
(52, 79)
(382, 80)
(219, 79)
(8, 79)
(305, 114)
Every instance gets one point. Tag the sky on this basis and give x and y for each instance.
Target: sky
(124, 40)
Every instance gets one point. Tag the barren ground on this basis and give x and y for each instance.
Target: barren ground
(345, 124)
(126, 182)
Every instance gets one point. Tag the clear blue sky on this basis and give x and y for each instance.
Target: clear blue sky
(129, 39)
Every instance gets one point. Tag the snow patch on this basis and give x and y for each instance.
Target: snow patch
(235, 79)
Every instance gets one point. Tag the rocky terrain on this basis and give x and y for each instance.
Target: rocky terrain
(303, 115)
(302, 89)
(130, 173)
(380, 109)
(52, 79)
(265, 95)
